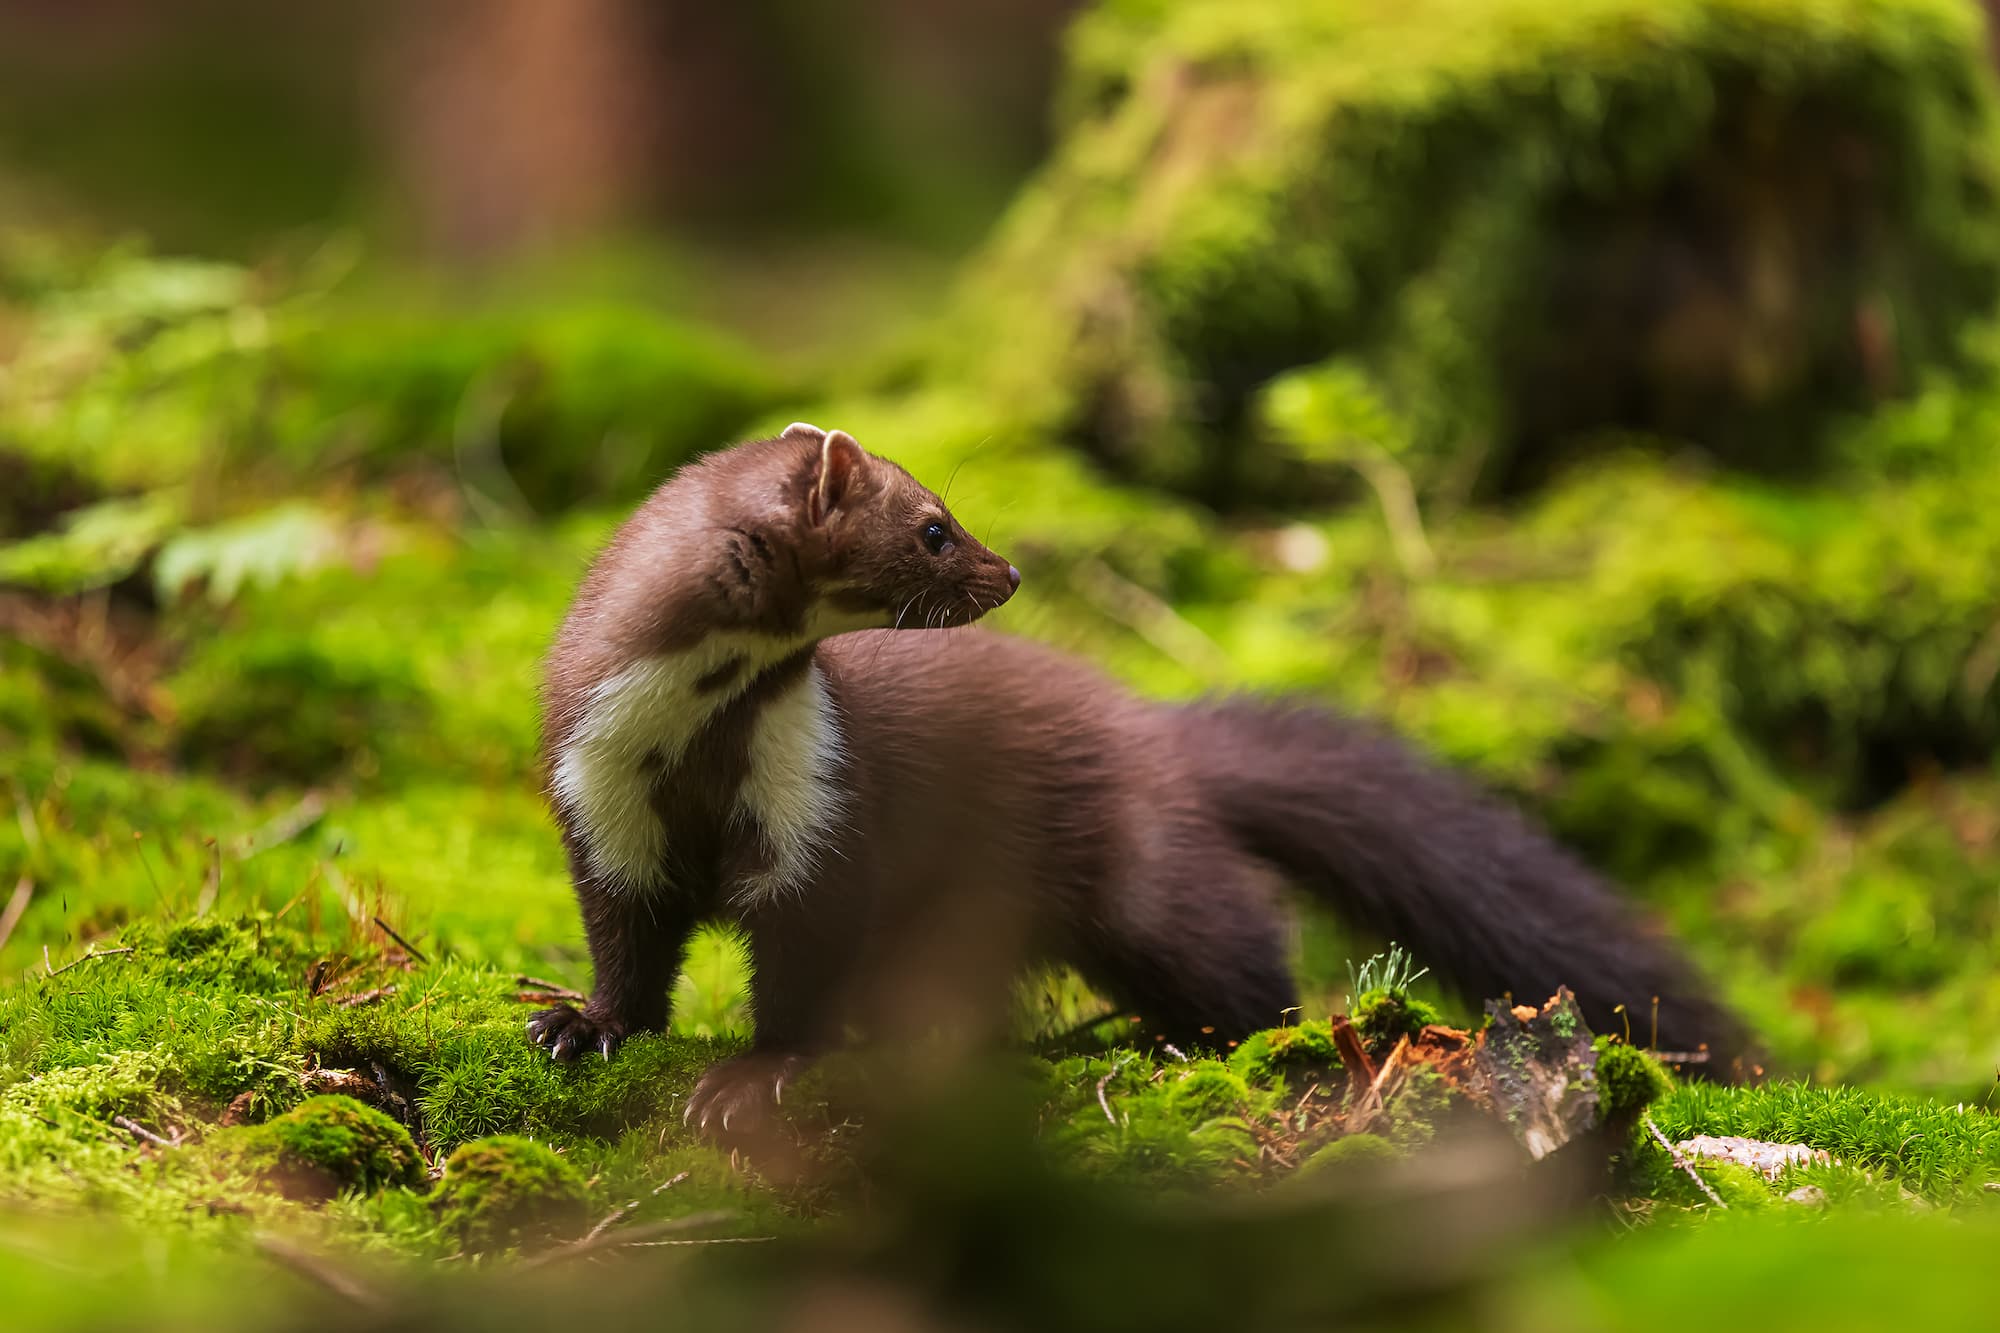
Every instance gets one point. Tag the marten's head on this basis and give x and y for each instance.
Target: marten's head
(882, 548)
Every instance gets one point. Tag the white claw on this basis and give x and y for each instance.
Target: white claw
(725, 1119)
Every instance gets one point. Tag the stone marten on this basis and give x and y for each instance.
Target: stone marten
(766, 706)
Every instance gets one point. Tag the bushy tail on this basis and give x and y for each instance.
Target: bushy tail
(1402, 847)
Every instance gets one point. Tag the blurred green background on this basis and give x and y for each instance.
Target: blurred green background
(1602, 392)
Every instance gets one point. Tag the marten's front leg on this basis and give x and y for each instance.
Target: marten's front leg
(637, 939)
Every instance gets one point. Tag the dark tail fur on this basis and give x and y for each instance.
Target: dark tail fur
(1402, 847)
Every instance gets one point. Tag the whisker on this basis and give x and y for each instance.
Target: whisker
(946, 497)
(993, 518)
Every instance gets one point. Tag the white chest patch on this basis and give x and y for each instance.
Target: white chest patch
(642, 720)
(793, 790)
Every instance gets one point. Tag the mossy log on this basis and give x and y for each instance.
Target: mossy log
(1521, 221)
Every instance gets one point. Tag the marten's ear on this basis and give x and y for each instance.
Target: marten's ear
(802, 430)
(841, 463)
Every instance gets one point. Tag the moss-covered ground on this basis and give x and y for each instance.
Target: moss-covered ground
(278, 555)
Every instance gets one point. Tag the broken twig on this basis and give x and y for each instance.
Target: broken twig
(1353, 1055)
(1684, 1164)
(287, 826)
(408, 948)
(16, 906)
(92, 955)
(1681, 1057)
(602, 1237)
(1058, 1040)
(593, 1241)
(1149, 616)
(1104, 1101)
(548, 988)
(321, 1272)
(1370, 1103)
(140, 1132)
(1300, 1109)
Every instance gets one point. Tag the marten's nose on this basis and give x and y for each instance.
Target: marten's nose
(1013, 578)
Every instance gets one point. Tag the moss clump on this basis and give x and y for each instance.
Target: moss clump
(568, 400)
(1208, 1093)
(1421, 1105)
(45, 698)
(507, 1190)
(250, 953)
(1935, 1149)
(480, 1076)
(585, 401)
(1299, 1055)
(278, 707)
(1383, 1017)
(1740, 1187)
(1433, 210)
(1175, 1124)
(329, 1144)
(1350, 1155)
(1628, 1080)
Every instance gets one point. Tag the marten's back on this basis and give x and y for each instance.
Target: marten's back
(985, 758)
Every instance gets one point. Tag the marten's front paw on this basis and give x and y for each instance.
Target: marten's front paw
(738, 1095)
(566, 1033)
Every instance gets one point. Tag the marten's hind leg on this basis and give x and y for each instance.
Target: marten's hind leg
(1197, 951)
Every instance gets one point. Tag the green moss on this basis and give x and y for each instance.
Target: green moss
(1204, 1094)
(1421, 1106)
(154, 372)
(506, 1191)
(1628, 1080)
(1740, 1187)
(47, 699)
(1272, 235)
(1259, 186)
(576, 403)
(329, 1144)
(1174, 1125)
(250, 953)
(1935, 1149)
(241, 709)
(458, 1032)
(1383, 1017)
(1298, 1055)
(1349, 1155)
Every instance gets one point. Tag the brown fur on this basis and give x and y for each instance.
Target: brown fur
(1007, 803)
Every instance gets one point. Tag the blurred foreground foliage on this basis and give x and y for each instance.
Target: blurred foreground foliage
(214, 1077)
(1321, 357)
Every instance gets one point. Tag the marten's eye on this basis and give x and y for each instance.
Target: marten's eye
(937, 537)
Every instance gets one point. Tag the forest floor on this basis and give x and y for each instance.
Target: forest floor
(272, 833)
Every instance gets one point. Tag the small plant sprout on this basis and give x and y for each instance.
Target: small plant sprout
(1388, 971)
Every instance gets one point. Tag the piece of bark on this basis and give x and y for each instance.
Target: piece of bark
(1537, 1068)
(1769, 1160)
